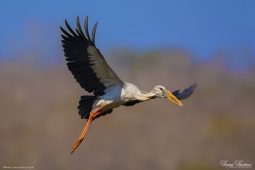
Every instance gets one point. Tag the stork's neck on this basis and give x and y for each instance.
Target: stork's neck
(143, 96)
(135, 93)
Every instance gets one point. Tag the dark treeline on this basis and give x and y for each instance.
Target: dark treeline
(40, 122)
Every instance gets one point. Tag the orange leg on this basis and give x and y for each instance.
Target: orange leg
(80, 139)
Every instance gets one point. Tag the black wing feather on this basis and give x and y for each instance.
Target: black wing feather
(86, 29)
(186, 93)
(79, 28)
(94, 32)
(75, 48)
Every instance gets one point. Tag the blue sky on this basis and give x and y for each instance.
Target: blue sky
(200, 26)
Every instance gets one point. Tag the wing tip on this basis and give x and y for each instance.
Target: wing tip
(86, 23)
(185, 93)
(89, 39)
(66, 22)
(193, 87)
(190, 90)
(94, 33)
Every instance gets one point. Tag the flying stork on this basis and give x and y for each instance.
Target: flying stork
(92, 72)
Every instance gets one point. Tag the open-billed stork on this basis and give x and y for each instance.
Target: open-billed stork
(92, 72)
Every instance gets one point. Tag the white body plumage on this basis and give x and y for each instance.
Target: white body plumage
(117, 96)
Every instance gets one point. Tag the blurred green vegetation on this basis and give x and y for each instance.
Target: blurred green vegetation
(39, 119)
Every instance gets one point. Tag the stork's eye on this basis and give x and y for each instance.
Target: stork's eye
(161, 88)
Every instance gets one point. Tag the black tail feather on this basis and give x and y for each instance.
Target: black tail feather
(85, 106)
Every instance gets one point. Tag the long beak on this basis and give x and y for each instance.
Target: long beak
(172, 98)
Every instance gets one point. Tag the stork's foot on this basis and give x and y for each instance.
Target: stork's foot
(80, 139)
(76, 144)
(90, 119)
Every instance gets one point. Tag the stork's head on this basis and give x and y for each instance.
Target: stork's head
(160, 91)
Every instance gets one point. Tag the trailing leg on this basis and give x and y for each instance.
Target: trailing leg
(90, 119)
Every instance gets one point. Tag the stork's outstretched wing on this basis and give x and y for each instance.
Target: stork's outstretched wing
(186, 93)
(86, 62)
